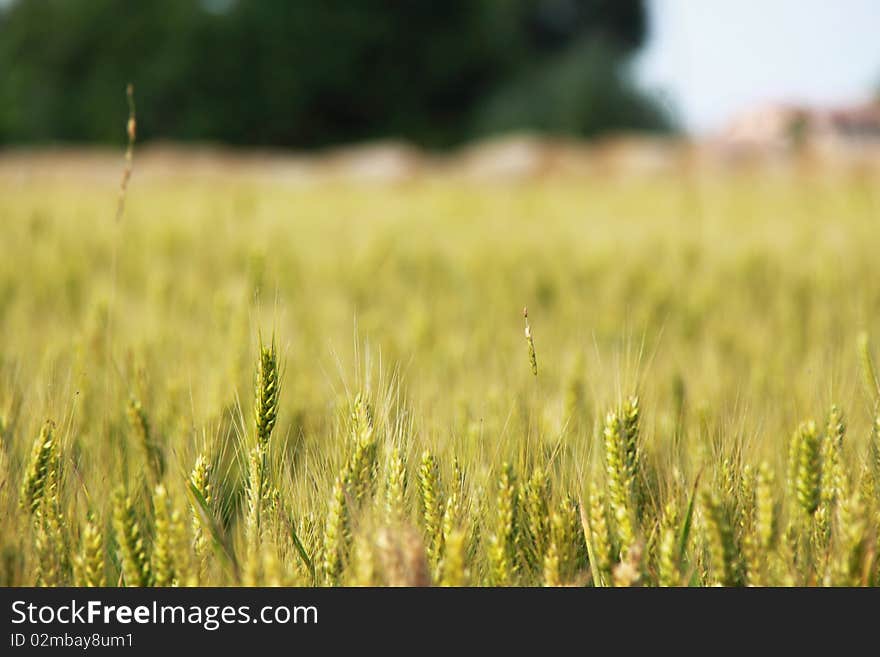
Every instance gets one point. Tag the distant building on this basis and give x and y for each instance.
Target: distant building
(783, 127)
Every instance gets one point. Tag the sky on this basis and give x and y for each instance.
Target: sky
(709, 59)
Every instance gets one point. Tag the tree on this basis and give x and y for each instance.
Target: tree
(316, 72)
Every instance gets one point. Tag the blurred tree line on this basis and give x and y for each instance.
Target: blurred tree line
(307, 73)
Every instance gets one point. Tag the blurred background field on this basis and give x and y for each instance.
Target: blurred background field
(744, 289)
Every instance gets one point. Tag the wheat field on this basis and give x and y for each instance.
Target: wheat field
(246, 382)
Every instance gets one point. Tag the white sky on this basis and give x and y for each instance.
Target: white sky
(712, 58)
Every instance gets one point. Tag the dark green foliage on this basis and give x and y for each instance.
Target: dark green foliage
(314, 72)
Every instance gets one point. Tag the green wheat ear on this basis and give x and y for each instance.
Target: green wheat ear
(200, 480)
(336, 533)
(598, 536)
(131, 542)
(48, 569)
(568, 534)
(39, 472)
(535, 537)
(362, 466)
(765, 508)
(166, 571)
(621, 440)
(267, 390)
(502, 543)
(668, 566)
(432, 506)
(91, 560)
(261, 494)
(721, 542)
(51, 534)
(453, 569)
(832, 478)
(455, 509)
(140, 425)
(530, 341)
(853, 543)
(395, 488)
(564, 548)
(551, 574)
(808, 478)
